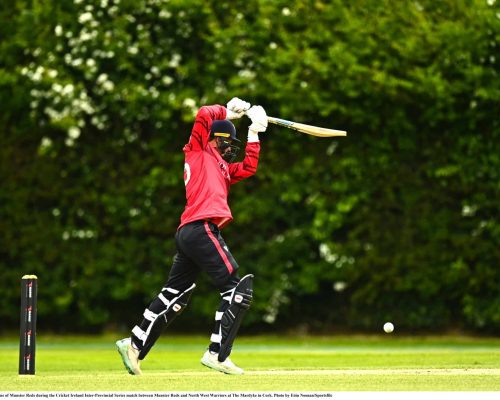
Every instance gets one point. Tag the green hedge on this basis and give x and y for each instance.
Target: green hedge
(399, 221)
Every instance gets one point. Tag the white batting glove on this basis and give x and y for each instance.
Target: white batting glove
(236, 108)
(259, 119)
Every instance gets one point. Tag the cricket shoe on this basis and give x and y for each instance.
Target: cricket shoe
(130, 356)
(211, 360)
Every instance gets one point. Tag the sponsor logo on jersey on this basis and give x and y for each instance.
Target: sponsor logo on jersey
(223, 169)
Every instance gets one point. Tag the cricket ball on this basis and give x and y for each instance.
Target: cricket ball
(388, 327)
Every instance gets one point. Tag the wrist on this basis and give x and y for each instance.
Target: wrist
(253, 136)
(230, 114)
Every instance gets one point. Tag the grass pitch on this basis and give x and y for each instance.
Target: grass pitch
(358, 363)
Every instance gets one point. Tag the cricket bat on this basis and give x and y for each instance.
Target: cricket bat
(308, 129)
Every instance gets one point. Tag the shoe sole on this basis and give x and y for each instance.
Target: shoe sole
(216, 367)
(122, 350)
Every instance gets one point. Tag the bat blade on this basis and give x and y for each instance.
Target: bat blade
(308, 129)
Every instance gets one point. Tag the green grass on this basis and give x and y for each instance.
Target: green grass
(359, 363)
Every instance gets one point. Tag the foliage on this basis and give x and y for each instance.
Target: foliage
(399, 221)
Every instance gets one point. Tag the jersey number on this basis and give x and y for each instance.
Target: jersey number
(187, 173)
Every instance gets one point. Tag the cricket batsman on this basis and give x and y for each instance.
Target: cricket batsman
(209, 172)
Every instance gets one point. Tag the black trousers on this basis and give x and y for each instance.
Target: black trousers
(201, 248)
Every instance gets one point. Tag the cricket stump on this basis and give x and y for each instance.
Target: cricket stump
(27, 339)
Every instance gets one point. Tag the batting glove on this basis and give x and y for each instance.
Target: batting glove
(259, 119)
(236, 108)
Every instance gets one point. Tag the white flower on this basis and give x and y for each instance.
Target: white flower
(246, 73)
(37, 75)
(74, 132)
(112, 10)
(189, 103)
(68, 89)
(469, 210)
(85, 17)
(165, 14)
(56, 87)
(339, 286)
(102, 78)
(87, 107)
(175, 61)
(85, 35)
(167, 80)
(45, 143)
(58, 30)
(108, 85)
(154, 92)
(327, 254)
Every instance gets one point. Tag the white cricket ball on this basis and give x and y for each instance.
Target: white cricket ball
(388, 327)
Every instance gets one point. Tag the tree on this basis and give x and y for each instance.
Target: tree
(399, 220)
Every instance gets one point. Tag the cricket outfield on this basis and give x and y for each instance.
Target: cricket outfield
(335, 363)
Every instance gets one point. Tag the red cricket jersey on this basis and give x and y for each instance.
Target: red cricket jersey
(207, 176)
